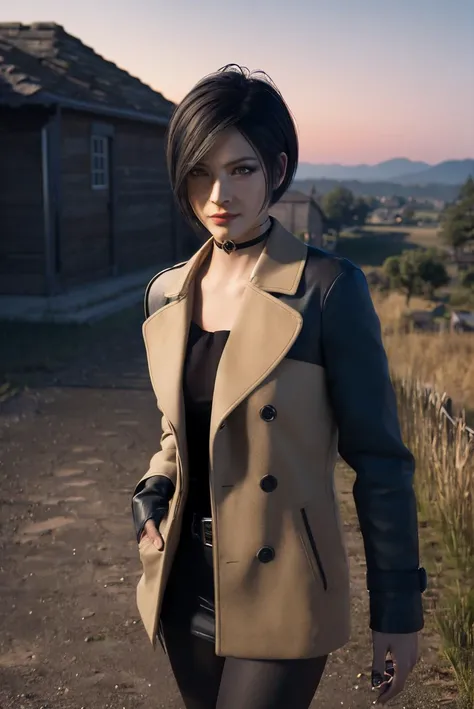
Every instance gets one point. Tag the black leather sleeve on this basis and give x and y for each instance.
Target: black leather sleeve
(370, 442)
(151, 501)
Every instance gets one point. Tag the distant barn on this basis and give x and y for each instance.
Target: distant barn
(301, 214)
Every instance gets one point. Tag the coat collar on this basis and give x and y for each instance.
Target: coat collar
(264, 331)
(278, 270)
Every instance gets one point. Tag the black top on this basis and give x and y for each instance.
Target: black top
(203, 354)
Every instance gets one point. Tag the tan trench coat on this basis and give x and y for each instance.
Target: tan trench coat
(297, 605)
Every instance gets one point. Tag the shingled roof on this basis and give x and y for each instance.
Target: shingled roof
(295, 196)
(43, 64)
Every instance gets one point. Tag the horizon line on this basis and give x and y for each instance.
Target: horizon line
(380, 162)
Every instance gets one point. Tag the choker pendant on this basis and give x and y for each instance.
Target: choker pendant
(229, 246)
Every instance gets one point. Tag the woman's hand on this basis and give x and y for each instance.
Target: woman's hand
(150, 530)
(405, 654)
(150, 505)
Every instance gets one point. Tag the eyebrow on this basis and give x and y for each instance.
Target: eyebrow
(234, 162)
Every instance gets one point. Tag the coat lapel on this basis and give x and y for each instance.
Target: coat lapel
(264, 331)
(265, 327)
(165, 334)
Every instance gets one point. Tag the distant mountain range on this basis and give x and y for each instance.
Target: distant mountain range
(401, 171)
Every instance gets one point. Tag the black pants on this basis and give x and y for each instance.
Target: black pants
(206, 681)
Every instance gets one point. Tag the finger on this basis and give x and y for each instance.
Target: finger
(383, 683)
(154, 535)
(382, 691)
(395, 686)
(159, 542)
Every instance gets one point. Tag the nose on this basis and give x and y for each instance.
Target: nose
(220, 192)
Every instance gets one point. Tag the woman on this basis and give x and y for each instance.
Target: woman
(265, 356)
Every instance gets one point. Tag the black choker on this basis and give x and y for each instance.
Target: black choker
(230, 246)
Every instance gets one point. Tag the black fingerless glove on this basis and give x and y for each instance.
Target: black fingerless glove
(151, 501)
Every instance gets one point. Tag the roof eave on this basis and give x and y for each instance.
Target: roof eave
(45, 98)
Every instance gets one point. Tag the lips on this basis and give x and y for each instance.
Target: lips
(223, 218)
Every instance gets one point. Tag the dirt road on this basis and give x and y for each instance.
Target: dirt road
(70, 636)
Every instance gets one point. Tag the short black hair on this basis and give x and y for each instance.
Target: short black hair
(231, 97)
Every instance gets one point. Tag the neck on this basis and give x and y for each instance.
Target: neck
(241, 260)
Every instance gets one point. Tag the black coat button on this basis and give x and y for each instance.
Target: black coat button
(268, 483)
(268, 413)
(266, 554)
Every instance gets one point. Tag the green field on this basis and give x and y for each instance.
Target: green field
(370, 246)
(428, 215)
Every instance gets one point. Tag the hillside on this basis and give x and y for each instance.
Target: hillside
(446, 193)
(399, 170)
(382, 171)
(451, 172)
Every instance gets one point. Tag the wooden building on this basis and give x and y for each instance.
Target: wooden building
(301, 214)
(84, 192)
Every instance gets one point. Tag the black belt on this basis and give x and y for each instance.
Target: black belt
(201, 528)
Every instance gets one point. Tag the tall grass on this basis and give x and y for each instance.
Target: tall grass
(444, 452)
(456, 624)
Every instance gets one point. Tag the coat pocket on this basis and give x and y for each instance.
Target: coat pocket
(314, 548)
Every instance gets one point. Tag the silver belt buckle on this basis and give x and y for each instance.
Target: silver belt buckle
(206, 531)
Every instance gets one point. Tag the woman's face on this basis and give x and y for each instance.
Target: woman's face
(229, 182)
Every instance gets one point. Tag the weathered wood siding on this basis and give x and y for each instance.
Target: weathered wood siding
(83, 239)
(129, 226)
(95, 233)
(145, 211)
(22, 241)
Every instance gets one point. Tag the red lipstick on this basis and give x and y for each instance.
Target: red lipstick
(222, 218)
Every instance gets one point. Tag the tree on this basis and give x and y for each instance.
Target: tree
(432, 272)
(338, 207)
(467, 280)
(467, 190)
(360, 211)
(458, 219)
(417, 272)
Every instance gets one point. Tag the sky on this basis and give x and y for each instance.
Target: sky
(366, 80)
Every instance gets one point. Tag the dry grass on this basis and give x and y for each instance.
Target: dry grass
(443, 360)
(445, 491)
(445, 469)
(444, 452)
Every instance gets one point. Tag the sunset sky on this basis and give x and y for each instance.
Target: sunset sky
(366, 80)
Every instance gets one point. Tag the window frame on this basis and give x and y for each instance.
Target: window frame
(100, 162)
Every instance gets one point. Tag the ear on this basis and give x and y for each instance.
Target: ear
(282, 166)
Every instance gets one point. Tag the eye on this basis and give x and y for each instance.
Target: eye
(244, 170)
(197, 172)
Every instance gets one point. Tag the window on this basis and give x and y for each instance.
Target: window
(99, 162)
